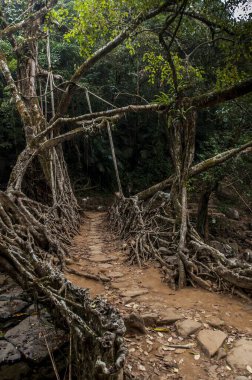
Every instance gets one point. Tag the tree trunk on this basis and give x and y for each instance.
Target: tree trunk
(181, 126)
(202, 215)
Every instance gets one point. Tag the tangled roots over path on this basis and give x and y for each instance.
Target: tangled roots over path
(152, 232)
(30, 234)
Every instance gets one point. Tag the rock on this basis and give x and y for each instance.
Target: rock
(11, 307)
(134, 293)
(29, 337)
(241, 355)
(187, 327)
(105, 266)
(241, 378)
(211, 340)
(115, 274)
(150, 319)
(104, 278)
(168, 317)
(134, 324)
(215, 322)
(96, 258)
(247, 255)
(8, 353)
(232, 213)
(221, 354)
(10, 292)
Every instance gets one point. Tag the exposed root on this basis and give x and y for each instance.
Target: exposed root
(152, 233)
(32, 241)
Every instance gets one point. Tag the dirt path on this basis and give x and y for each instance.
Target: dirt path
(140, 291)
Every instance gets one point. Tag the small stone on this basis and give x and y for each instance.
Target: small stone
(187, 327)
(241, 378)
(150, 319)
(241, 355)
(170, 316)
(104, 278)
(141, 367)
(247, 255)
(211, 341)
(115, 274)
(134, 324)
(101, 259)
(232, 213)
(105, 266)
(215, 322)
(8, 353)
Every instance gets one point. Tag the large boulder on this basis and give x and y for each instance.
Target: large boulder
(32, 335)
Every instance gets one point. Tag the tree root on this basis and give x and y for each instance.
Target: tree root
(152, 233)
(32, 241)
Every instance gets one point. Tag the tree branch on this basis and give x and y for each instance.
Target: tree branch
(102, 52)
(21, 107)
(10, 29)
(218, 159)
(195, 170)
(210, 24)
(217, 97)
(103, 114)
(88, 129)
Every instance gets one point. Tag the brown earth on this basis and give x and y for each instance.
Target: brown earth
(97, 252)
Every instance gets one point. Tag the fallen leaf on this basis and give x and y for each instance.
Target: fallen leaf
(161, 329)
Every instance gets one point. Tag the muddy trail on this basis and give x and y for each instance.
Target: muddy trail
(187, 334)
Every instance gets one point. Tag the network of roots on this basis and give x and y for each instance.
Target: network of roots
(152, 232)
(34, 240)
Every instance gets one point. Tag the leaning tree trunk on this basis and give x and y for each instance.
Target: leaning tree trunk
(52, 161)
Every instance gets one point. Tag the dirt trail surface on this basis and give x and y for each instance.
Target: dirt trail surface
(188, 334)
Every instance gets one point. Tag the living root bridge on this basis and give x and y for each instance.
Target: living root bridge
(32, 235)
(152, 232)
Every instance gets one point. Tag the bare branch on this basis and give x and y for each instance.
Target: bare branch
(103, 114)
(218, 159)
(195, 170)
(88, 129)
(217, 97)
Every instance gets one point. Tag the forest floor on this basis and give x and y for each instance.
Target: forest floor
(170, 317)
